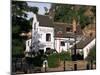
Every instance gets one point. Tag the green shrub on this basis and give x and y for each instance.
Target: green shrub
(51, 51)
(65, 56)
(92, 54)
(53, 59)
(37, 61)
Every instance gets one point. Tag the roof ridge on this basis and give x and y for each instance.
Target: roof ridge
(60, 23)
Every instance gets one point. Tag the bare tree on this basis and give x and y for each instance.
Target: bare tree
(36, 44)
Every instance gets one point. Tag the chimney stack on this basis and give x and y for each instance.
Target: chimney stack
(74, 25)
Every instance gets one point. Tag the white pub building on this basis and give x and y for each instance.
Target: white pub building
(54, 35)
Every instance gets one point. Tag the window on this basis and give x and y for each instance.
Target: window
(68, 29)
(48, 50)
(62, 43)
(28, 43)
(34, 26)
(41, 51)
(48, 37)
(71, 43)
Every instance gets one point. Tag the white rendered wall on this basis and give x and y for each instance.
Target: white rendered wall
(28, 44)
(87, 48)
(54, 43)
(60, 48)
(43, 31)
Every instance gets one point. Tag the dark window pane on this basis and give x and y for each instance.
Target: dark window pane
(68, 29)
(48, 37)
(62, 43)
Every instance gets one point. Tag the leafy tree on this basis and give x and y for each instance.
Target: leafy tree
(68, 13)
(46, 10)
(36, 44)
(20, 24)
(92, 54)
(18, 13)
(34, 9)
(65, 56)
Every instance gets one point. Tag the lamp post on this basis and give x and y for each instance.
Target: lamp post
(75, 47)
(75, 54)
(64, 64)
(67, 41)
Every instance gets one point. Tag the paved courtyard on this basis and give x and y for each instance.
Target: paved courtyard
(69, 66)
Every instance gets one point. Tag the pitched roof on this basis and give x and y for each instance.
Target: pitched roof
(85, 41)
(44, 20)
(62, 27)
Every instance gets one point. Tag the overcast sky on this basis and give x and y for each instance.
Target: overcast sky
(40, 6)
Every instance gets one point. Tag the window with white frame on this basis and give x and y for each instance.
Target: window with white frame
(62, 43)
(48, 37)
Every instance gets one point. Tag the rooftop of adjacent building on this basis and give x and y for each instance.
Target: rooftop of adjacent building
(84, 42)
(66, 29)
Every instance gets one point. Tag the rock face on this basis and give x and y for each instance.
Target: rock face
(90, 30)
